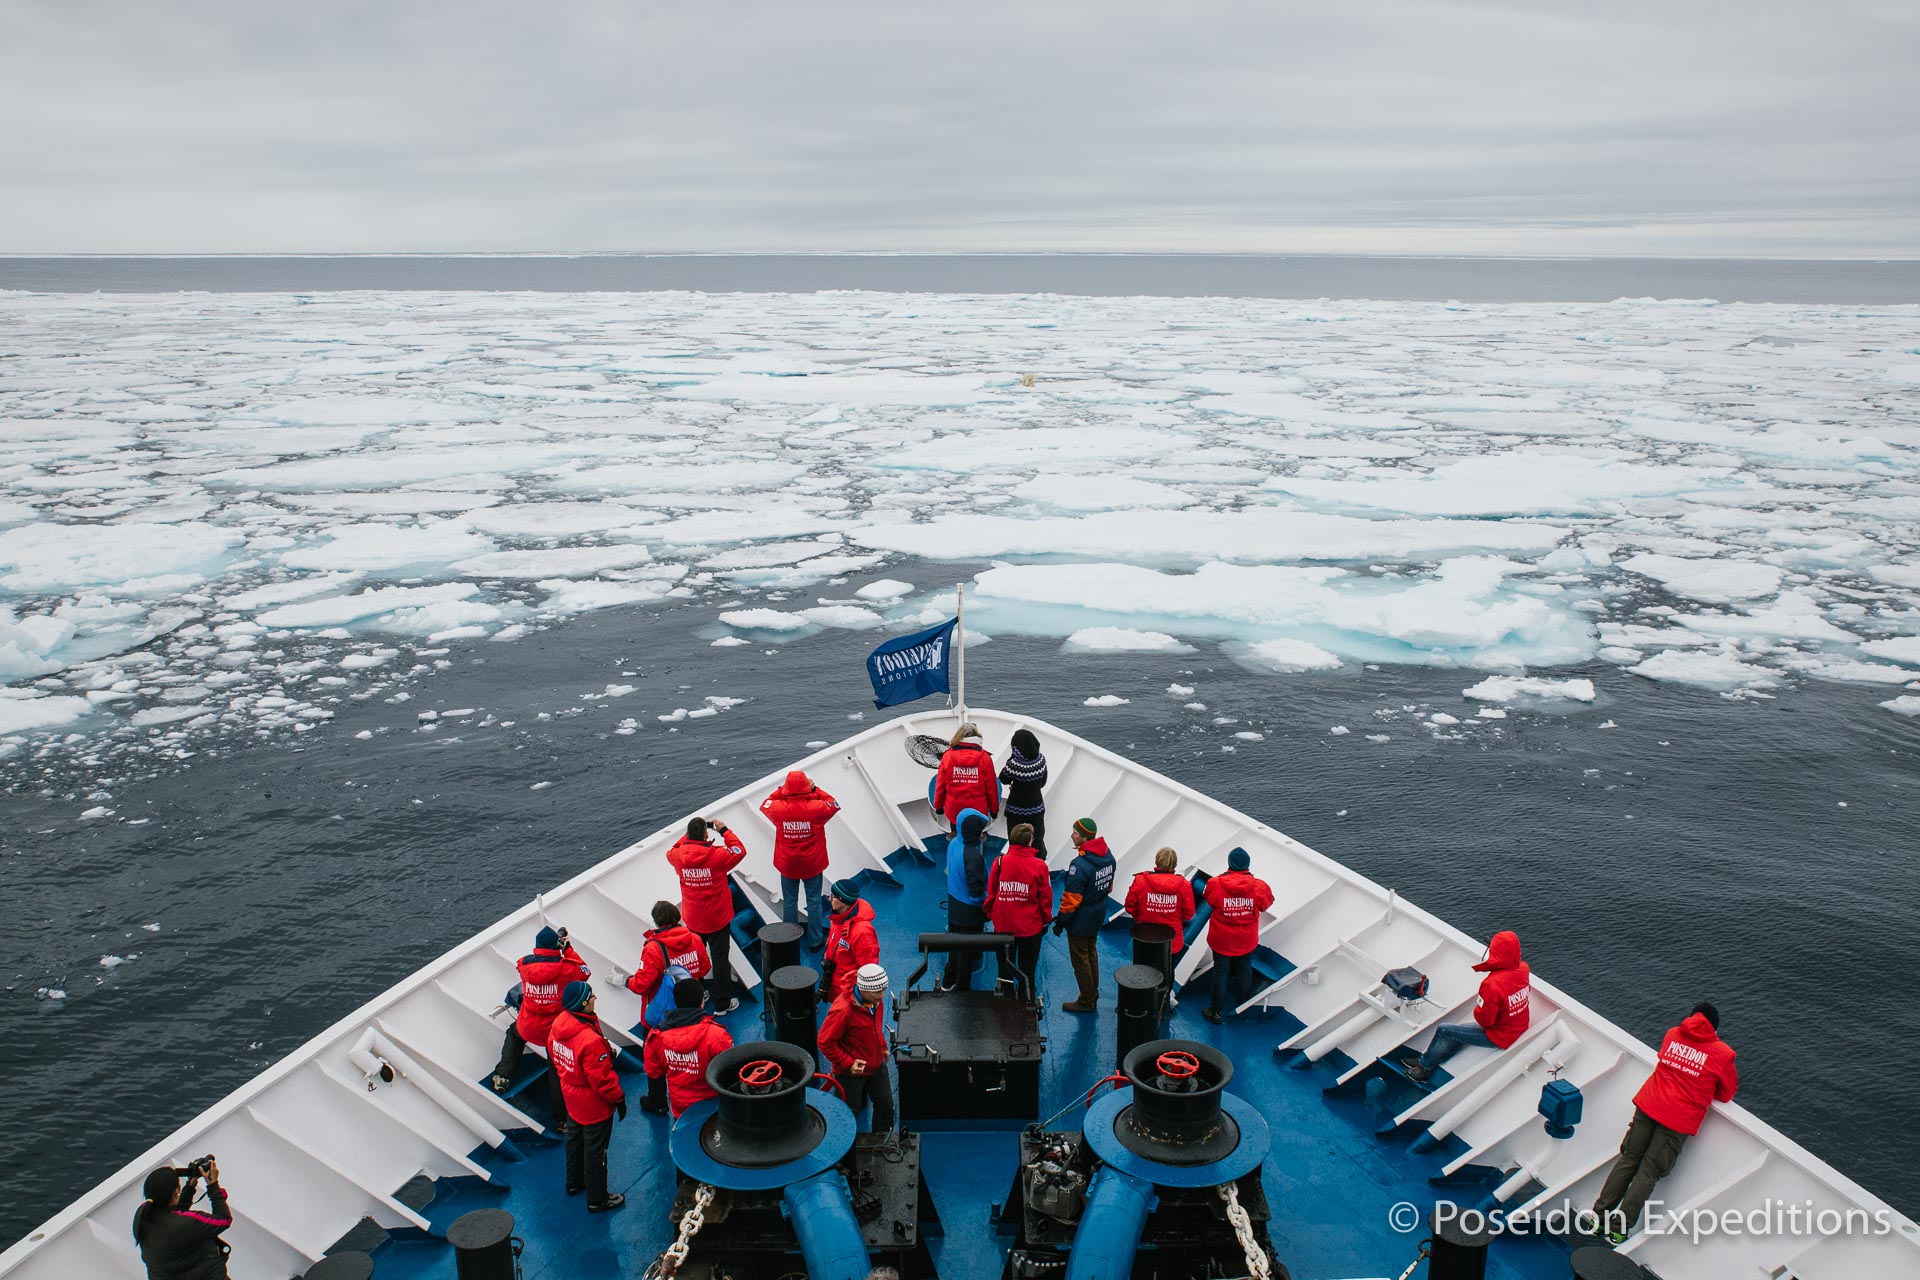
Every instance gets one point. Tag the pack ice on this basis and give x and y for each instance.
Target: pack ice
(226, 513)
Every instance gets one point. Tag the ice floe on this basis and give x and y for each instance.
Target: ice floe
(223, 513)
(1510, 688)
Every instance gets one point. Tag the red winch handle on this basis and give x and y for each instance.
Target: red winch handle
(1177, 1064)
(1117, 1079)
(831, 1084)
(760, 1074)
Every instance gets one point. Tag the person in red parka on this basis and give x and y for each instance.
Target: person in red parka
(1500, 1013)
(706, 898)
(854, 1041)
(1020, 901)
(1163, 896)
(1235, 898)
(583, 1060)
(851, 941)
(800, 812)
(668, 943)
(1695, 1071)
(967, 779)
(677, 1055)
(544, 974)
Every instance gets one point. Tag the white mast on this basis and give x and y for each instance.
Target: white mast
(960, 646)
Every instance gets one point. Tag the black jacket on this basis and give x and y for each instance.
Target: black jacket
(181, 1243)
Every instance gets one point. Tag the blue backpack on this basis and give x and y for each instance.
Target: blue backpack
(655, 1014)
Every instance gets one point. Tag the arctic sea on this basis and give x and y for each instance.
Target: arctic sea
(336, 623)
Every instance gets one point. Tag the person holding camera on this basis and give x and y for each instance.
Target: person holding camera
(544, 974)
(706, 899)
(177, 1241)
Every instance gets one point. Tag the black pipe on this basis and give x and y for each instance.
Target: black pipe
(951, 942)
(1140, 1000)
(1458, 1254)
(779, 945)
(1597, 1262)
(1153, 945)
(792, 997)
(484, 1246)
(763, 1117)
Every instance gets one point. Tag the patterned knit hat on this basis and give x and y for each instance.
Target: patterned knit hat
(1087, 827)
(871, 978)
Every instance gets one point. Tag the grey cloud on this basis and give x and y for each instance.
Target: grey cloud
(330, 127)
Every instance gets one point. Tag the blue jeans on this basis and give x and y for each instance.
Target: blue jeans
(1451, 1037)
(816, 907)
(1232, 978)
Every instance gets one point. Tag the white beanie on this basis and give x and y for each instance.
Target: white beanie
(871, 978)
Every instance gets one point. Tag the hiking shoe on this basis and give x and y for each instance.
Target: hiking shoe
(1212, 1015)
(574, 1191)
(731, 1005)
(608, 1205)
(1417, 1073)
(501, 1084)
(1075, 1006)
(1616, 1238)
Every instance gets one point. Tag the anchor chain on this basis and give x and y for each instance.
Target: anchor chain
(675, 1255)
(1257, 1265)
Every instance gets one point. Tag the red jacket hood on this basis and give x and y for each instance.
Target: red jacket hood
(1697, 1029)
(797, 783)
(1502, 953)
(1021, 851)
(1096, 848)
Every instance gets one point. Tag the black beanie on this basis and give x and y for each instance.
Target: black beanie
(688, 993)
(1711, 1014)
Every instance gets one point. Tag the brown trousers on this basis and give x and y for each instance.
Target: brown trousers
(1085, 954)
(1647, 1154)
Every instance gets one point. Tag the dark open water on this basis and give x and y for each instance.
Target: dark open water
(1163, 275)
(1698, 850)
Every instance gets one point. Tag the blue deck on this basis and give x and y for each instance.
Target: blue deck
(1330, 1181)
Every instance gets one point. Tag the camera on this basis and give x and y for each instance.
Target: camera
(199, 1168)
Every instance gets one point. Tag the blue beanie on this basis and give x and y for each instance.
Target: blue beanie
(1239, 859)
(845, 890)
(546, 939)
(575, 995)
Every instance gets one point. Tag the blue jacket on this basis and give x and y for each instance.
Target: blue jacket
(1083, 897)
(967, 863)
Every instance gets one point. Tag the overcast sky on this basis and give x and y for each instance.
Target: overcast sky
(1768, 127)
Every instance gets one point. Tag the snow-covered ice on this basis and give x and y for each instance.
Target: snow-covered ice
(205, 529)
(1510, 688)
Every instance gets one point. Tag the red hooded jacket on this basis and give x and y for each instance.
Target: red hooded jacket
(680, 1051)
(1501, 1009)
(664, 947)
(583, 1060)
(1019, 892)
(1237, 899)
(799, 812)
(1163, 897)
(966, 780)
(543, 976)
(1695, 1071)
(706, 901)
(851, 942)
(853, 1031)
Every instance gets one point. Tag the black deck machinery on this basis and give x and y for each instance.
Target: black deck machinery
(774, 1182)
(968, 1055)
(1163, 1183)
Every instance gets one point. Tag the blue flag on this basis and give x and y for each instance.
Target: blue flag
(910, 667)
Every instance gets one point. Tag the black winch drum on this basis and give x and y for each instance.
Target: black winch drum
(763, 1118)
(1153, 945)
(1174, 1115)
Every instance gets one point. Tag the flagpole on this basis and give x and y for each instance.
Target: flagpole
(960, 646)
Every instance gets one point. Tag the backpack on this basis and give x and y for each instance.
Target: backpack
(655, 1014)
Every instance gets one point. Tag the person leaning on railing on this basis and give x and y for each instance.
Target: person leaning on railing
(177, 1241)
